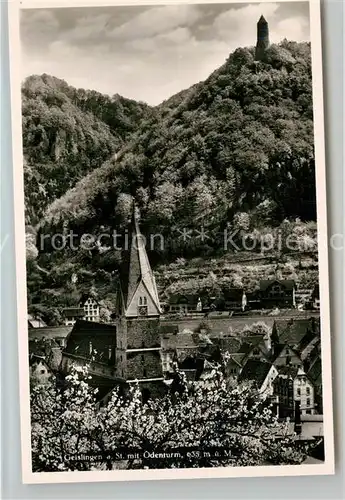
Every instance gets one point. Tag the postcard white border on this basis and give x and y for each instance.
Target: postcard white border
(29, 477)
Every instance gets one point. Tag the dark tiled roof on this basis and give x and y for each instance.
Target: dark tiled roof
(287, 284)
(82, 327)
(293, 331)
(315, 372)
(255, 370)
(234, 294)
(230, 344)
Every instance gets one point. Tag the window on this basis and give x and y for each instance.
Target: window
(308, 401)
(298, 392)
(143, 301)
(308, 391)
(43, 371)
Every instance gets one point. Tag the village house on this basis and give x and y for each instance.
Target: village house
(304, 392)
(35, 321)
(283, 388)
(91, 309)
(288, 357)
(293, 385)
(303, 296)
(39, 370)
(44, 359)
(297, 333)
(184, 304)
(72, 314)
(57, 333)
(261, 373)
(88, 310)
(231, 300)
(277, 293)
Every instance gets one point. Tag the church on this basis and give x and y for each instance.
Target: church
(128, 351)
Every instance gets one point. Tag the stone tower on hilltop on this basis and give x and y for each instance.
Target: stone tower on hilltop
(138, 311)
(263, 41)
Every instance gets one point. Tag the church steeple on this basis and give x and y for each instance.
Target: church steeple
(262, 42)
(138, 286)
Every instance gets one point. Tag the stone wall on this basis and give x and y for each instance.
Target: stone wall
(143, 333)
(144, 364)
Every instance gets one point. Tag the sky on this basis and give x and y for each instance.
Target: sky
(148, 53)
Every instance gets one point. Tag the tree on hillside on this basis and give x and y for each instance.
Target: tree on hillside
(209, 416)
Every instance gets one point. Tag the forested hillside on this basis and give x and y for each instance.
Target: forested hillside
(68, 132)
(233, 151)
(241, 138)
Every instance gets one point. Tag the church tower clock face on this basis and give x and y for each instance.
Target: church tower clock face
(142, 310)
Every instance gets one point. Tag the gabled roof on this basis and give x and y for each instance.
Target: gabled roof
(292, 331)
(287, 284)
(230, 344)
(35, 322)
(291, 349)
(255, 370)
(136, 267)
(84, 332)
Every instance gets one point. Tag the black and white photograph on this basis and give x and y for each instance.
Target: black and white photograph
(173, 306)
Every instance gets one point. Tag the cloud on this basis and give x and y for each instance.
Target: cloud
(88, 27)
(156, 21)
(147, 53)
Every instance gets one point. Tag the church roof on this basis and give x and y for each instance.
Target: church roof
(136, 266)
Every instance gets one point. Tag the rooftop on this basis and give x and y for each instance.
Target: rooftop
(255, 370)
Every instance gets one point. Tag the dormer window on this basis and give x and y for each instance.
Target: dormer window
(143, 301)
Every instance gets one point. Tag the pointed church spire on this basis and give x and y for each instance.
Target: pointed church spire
(138, 286)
